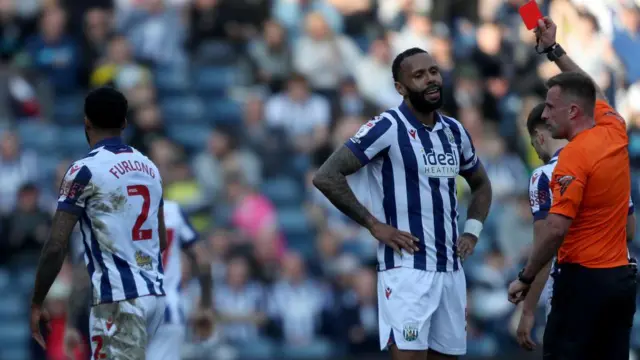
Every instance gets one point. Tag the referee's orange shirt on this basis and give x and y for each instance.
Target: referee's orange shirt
(591, 184)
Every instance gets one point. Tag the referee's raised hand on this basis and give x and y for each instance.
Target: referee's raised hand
(394, 238)
(546, 32)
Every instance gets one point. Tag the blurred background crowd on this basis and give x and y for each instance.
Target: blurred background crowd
(239, 101)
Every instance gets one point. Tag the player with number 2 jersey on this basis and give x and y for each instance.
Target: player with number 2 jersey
(115, 193)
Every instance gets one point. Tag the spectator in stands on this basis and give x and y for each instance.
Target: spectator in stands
(416, 32)
(208, 21)
(156, 32)
(96, 26)
(239, 303)
(271, 56)
(27, 227)
(146, 127)
(252, 213)
(55, 54)
(303, 115)
(322, 56)
(372, 75)
(291, 14)
(223, 153)
(17, 167)
(299, 309)
(14, 30)
(118, 68)
(350, 102)
(626, 39)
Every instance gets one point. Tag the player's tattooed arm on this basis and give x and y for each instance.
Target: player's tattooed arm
(198, 256)
(331, 180)
(481, 194)
(53, 254)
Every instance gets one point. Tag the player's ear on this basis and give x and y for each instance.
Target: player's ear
(87, 123)
(125, 123)
(400, 88)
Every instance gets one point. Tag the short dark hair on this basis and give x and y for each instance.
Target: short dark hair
(106, 108)
(578, 85)
(534, 120)
(397, 62)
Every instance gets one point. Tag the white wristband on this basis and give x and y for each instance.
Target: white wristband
(473, 227)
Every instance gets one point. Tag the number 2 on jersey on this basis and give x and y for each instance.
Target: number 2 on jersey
(137, 233)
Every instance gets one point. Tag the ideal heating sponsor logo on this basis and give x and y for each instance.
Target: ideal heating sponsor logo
(444, 164)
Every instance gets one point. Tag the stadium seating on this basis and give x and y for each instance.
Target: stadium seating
(214, 80)
(180, 109)
(39, 136)
(68, 109)
(171, 80)
(73, 140)
(192, 137)
(223, 111)
(282, 191)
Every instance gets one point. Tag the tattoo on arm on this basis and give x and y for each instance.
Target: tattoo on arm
(331, 180)
(566, 64)
(481, 194)
(204, 276)
(53, 254)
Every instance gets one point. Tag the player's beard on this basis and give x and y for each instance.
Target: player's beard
(420, 102)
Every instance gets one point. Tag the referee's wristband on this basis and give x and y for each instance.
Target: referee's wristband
(473, 227)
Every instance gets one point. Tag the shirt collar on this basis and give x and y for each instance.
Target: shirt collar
(554, 158)
(112, 141)
(408, 114)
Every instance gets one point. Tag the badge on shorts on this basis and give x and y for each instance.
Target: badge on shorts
(410, 331)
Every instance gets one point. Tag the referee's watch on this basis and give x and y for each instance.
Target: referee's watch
(554, 52)
(524, 280)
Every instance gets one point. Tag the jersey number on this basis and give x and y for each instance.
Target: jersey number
(165, 256)
(98, 354)
(137, 233)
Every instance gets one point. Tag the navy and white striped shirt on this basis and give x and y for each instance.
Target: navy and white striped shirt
(411, 173)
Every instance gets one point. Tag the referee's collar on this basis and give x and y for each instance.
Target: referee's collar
(408, 114)
(112, 141)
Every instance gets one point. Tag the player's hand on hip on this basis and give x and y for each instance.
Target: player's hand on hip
(204, 323)
(466, 244)
(546, 32)
(517, 291)
(524, 331)
(394, 238)
(39, 314)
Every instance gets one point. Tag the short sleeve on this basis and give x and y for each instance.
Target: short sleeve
(187, 234)
(568, 183)
(468, 158)
(605, 115)
(75, 189)
(632, 208)
(372, 138)
(539, 195)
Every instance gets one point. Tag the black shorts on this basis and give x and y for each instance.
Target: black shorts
(591, 313)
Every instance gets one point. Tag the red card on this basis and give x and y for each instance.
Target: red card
(530, 13)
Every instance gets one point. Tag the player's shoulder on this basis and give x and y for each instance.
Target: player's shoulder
(541, 173)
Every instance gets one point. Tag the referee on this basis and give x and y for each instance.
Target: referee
(594, 291)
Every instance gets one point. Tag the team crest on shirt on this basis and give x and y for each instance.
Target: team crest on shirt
(410, 331)
(450, 136)
(564, 183)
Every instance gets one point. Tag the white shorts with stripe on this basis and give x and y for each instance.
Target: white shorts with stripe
(121, 330)
(420, 310)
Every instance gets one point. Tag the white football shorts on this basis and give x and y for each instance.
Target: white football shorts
(420, 310)
(121, 330)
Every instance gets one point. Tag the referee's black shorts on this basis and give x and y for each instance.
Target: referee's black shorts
(591, 313)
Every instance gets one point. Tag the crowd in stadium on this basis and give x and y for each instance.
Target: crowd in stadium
(239, 101)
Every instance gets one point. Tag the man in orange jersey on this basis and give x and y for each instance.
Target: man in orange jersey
(594, 292)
